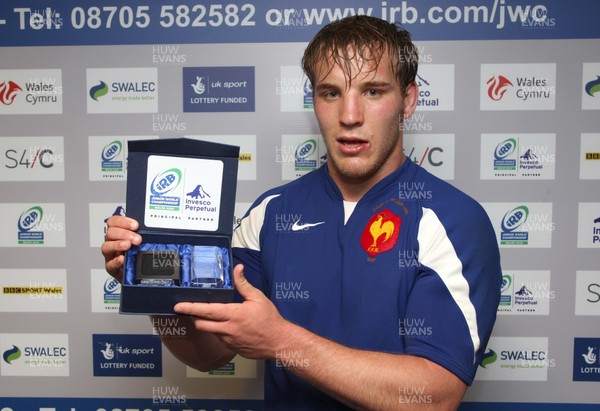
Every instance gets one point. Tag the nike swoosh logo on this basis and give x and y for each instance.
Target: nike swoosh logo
(298, 227)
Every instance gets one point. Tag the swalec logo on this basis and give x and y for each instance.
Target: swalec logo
(8, 92)
(592, 88)
(11, 355)
(498, 85)
(489, 357)
(98, 91)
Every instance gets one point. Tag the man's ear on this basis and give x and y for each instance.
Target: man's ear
(411, 96)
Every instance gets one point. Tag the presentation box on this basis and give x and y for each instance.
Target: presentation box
(182, 193)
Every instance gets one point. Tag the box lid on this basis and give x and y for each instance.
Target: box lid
(182, 185)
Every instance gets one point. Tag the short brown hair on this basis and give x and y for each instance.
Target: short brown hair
(366, 38)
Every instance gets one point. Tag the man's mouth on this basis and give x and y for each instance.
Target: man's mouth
(352, 145)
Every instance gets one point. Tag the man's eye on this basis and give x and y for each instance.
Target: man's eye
(373, 92)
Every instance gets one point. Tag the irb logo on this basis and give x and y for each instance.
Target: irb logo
(505, 148)
(166, 181)
(306, 149)
(112, 150)
(30, 218)
(515, 218)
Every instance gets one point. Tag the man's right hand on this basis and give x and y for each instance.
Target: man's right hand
(120, 236)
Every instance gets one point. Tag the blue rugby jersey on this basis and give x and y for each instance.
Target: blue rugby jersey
(414, 270)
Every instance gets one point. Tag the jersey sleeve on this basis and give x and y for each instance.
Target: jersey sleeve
(246, 243)
(457, 290)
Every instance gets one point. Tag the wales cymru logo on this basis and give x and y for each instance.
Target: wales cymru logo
(98, 91)
(497, 87)
(593, 87)
(11, 355)
(8, 92)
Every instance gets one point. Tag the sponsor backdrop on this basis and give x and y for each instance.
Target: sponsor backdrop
(504, 114)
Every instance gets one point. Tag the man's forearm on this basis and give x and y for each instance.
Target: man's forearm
(368, 380)
(197, 349)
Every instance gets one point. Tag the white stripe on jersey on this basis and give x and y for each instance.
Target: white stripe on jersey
(247, 234)
(437, 252)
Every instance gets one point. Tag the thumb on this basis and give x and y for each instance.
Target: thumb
(243, 287)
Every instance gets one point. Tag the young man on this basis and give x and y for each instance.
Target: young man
(396, 273)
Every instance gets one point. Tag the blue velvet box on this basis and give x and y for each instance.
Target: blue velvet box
(182, 192)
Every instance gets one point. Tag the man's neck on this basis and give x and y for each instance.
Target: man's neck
(353, 189)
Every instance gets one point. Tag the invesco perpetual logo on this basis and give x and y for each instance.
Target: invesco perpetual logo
(505, 148)
(30, 218)
(515, 218)
(306, 149)
(166, 182)
(112, 150)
